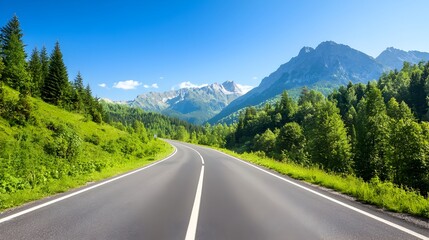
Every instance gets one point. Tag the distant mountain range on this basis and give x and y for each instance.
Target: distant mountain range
(394, 58)
(324, 68)
(327, 66)
(195, 105)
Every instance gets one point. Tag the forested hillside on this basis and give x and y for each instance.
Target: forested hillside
(375, 130)
(52, 133)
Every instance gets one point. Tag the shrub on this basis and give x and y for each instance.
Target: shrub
(65, 143)
(94, 139)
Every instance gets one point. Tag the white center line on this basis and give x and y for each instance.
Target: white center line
(201, 157)
(193, 221)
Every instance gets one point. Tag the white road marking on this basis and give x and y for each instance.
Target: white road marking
(394, 225)
(8, 218)
(201, 157)
(193, 221)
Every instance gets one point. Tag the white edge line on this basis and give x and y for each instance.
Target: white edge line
(202, 159)
(394, 225)
(193, 221)
(8, 218)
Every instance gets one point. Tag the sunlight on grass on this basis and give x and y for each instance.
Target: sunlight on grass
(382, 194)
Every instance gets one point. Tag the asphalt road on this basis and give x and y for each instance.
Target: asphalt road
(199, 193)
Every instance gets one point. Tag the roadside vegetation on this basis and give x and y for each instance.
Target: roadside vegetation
(370, 141)
(383, 194)
(53, 132)
(56, 150)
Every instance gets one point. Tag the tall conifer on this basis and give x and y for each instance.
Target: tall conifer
(44, 60)
(35, 71)
(56, 85)
(12, 51)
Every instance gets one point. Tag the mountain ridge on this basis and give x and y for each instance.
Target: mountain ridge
(325, 67)
(328, 64)
(394, 58)
(194, 104)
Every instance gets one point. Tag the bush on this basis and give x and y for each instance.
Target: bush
(65, 143)
(94, 139)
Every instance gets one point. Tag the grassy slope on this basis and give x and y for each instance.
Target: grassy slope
(23, 154)
(381, 194)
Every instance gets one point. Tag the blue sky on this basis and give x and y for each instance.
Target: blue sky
(159, 45)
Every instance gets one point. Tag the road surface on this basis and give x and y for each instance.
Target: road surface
(199, 193)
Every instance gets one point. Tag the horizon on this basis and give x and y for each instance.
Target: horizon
(130, 48)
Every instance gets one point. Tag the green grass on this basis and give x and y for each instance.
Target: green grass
(67, 183)
(58, 150)
(382, 194)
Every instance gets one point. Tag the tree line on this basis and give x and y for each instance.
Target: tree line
(42, 76)
(378, 130)
(375, 130)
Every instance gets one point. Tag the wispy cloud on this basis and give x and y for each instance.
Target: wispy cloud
(191, 85)
(127, 85)
(103, 85)
(245, 88)
(154, 85)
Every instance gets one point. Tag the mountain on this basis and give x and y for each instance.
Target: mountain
(195, 105)
(329, 65)
(393, 58)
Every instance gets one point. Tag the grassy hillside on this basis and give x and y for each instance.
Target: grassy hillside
(54, 150)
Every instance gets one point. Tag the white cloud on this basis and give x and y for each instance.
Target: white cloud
(245, 88)
(127, 85)
(191, 85)
(103, 85)
(254, 78)
(161, 78)
(154, 85)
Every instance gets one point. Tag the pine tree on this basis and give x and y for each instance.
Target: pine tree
(56, 85)
(78, 93)
(78, 83)
(35, 71)
(44, 60)
(15, 73)
(12, 27)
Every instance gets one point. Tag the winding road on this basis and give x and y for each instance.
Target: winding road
(200, 193)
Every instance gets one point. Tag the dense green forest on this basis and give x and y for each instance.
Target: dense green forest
(375, 130)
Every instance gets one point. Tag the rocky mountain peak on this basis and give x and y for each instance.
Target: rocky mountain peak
(305, 50)
(230, 86)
